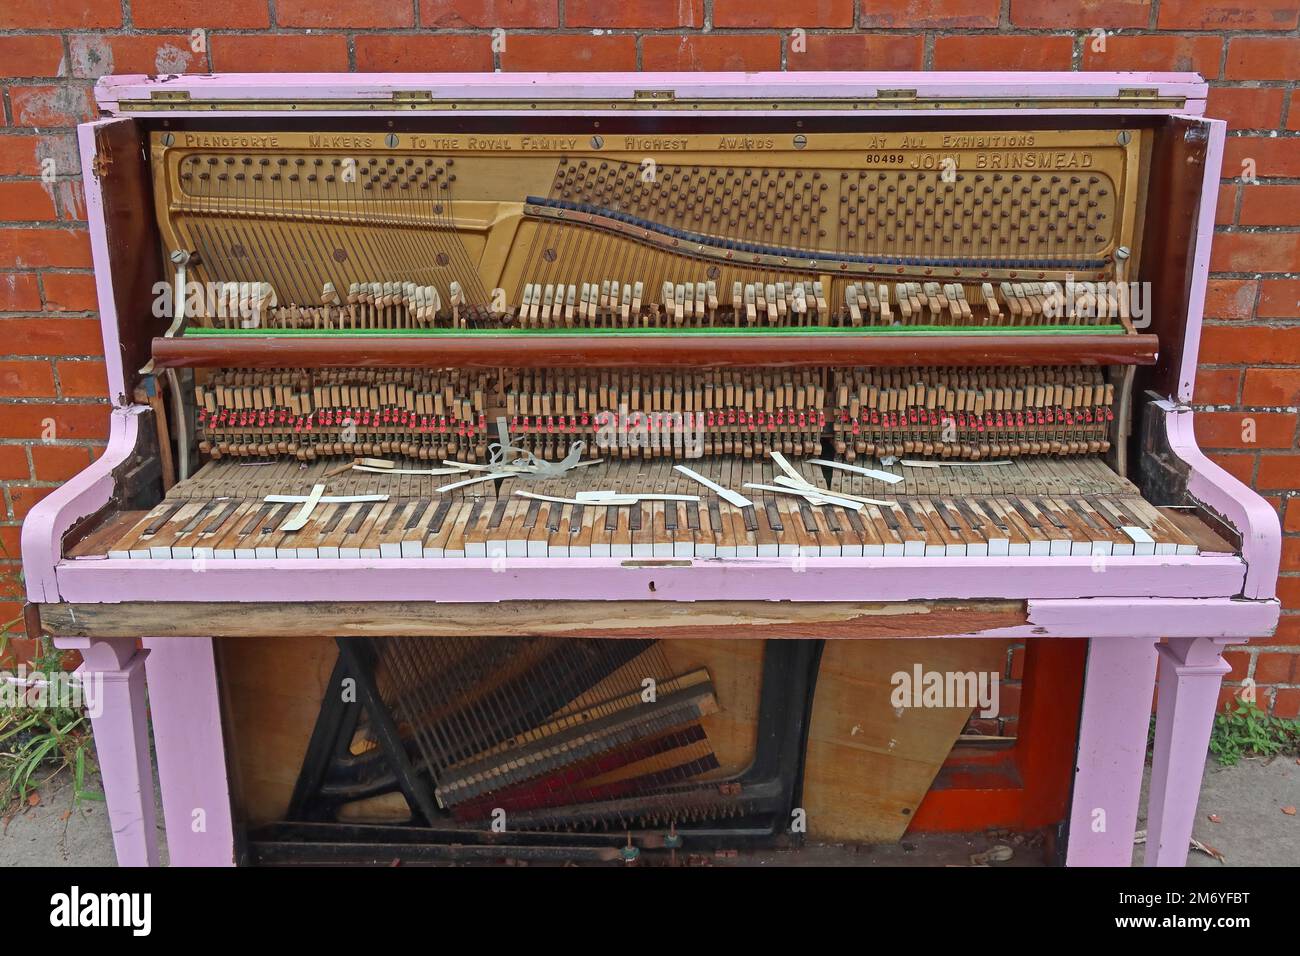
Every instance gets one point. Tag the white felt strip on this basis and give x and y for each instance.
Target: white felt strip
(814, 496)
(324, 499)
(472, 481)
(912, 463)
(726, 494)
(411, 471)
(869, 472)
(597, 497)
(300, 519)
(616, 501)
(823, 492)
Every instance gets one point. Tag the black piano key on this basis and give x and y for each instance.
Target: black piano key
(156, 525)
(750, 518)
(773, 516)
(994, 515)
(439, 516)
(498, 512)
(1023, 510)
(417, 513)
(948, 518)
(394, 517)
(855, 520)
(360, 517)
(336, 518)
(1048, 512)
(832, 520)
(693, 515)
(553, 517)
(230, 508)
(276, 517)
(1083, 513)
(575, 519)
(611, 519)
(715, 516)
(891, 520)
(198, 517)
(475, 510)
(967, 512)
(255, 521)
(916, 523)
(809, 519)
(670, 515)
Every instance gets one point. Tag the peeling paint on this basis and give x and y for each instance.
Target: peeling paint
(92, 56)
(58, 100)
(63, 150)
(172, 59)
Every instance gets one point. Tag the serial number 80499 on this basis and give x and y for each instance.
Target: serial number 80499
(877, 159)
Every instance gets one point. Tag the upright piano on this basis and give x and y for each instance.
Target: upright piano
(577, 468)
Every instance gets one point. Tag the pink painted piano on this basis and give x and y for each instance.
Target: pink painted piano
(546, 358)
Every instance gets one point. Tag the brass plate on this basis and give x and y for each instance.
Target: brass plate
(299, 210)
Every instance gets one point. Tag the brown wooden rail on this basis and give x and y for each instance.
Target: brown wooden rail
(660, 350)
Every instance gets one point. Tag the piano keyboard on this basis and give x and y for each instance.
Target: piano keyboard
(1070, 507)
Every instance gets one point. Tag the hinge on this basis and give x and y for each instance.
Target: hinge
(654, 96)
(1139, 93)
(895, 94)
(169, 96)
(412, 96)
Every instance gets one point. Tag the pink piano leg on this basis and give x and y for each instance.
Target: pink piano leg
(1190, 673)
(1112, 750)
(113, 675)
(186, 711)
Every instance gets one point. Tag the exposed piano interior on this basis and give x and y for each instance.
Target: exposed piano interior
(773, 350)
(445, 308)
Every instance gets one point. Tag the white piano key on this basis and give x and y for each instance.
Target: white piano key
(1143, 543)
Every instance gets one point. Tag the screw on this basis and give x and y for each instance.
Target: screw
(1124, 137)
(800, 141)
(597, 142)
(168, 139)
(391, 140)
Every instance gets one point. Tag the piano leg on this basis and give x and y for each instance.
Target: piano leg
(186, 712)
(1190, 673)
(113, 674)
(1112, 750)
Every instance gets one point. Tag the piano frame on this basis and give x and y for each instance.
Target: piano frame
(1157, 619)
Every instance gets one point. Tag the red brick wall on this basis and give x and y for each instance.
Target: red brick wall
(51, 53)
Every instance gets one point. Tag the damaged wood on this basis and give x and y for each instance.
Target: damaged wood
(700, 619)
